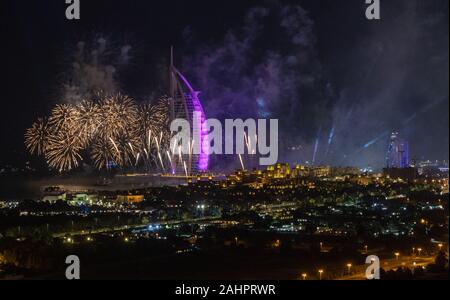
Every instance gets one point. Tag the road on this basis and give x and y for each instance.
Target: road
(131, 227)
(389, 264)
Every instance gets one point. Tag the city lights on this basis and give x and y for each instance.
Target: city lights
(320, 274)
(349, 266)
(225, 140)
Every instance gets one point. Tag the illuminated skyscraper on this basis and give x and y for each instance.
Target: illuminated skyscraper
(397, 155)
(184, 102)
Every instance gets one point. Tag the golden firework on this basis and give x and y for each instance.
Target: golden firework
(113, 130)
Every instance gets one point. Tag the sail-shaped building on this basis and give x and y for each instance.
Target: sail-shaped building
(185, 104)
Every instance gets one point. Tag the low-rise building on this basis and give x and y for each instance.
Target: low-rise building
(130, 198)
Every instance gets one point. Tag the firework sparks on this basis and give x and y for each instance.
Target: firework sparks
(36, 137)
(242, 162)
(185, 169)
(113, 130)
(63, 151)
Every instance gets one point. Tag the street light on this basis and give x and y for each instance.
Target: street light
(304, 275)
(414, 251)
(419, 250)
(440, 247)
(320, 274)
(349, 266)
(321, 246)
(366, 248)
(397, 255)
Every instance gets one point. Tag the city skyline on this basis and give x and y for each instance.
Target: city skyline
(202, 144)
(340, 121)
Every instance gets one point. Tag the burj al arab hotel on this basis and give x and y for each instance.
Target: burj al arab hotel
(184, 102)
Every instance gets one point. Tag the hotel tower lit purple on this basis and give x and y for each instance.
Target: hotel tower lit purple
(184, 103)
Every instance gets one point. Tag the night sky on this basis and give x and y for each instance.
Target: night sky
(338, 82)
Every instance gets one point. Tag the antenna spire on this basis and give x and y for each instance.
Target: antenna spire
(171, 56)
(172, 85)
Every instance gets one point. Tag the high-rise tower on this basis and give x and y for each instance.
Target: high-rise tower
(397, 155)
(184, 102)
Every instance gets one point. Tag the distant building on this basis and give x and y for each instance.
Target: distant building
(324, 171)
(433, 169)
(397, 160)
(279, 171)
(82, 199)
(300, 171)
(397, 155)
(54, 194)
(363, 180)
(184, 102)
(130, 198)
(342, 171)
(407, 174)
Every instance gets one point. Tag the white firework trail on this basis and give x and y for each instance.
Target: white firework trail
(242, 163)
(185, 169)
(149, 140)
(137, 158)
(161, 160)
(170, 158)
(131, 147)
(115, 146)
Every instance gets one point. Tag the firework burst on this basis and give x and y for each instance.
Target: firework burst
(112, 130)
(63, 151)
(36, 137)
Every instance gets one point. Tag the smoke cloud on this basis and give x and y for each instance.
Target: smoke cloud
(341, 112)
(246, 76)
(94, 69)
